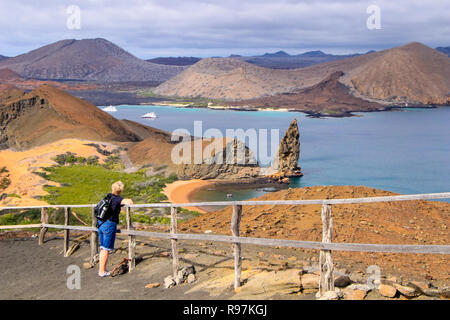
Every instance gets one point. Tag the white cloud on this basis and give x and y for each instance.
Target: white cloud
(210, 27)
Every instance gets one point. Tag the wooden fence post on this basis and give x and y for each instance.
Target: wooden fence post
(67, 212)
(44, 220)
(235, 224)
(173, 230)
(131, 243)
(94, 238)
(326, 282)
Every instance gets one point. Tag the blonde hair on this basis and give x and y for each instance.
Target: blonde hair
(117, 187)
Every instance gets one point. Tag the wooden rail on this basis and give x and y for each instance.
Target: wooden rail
(326, 247)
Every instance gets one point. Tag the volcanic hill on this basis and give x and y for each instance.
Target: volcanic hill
(229, 79)
(47, 114)
(327, 98)
(411, 73)
(87, 59)
(404, 222)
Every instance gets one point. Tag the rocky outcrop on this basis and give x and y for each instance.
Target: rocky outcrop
(286, 160)
(237, 167)
(268, 283)
(220, 158)
(13, 111)
(226, 164)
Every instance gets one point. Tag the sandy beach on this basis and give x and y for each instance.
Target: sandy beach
(182, 191)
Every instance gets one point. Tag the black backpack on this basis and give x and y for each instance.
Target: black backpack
(102, 210)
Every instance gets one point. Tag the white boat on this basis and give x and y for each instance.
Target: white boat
(110, 109)
(150, 115)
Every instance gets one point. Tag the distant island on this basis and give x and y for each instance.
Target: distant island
(412, 75)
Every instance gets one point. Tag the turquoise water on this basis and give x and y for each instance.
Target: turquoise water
(401, 151)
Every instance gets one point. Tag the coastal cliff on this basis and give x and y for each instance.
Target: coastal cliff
(224, 164)
(48, 114)
(223, 159)
(284, 165)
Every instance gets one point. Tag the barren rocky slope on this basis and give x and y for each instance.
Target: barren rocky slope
(229, 79)
(87, 59)
(411, 73)
(327, 98)
(7, 75)
(47, 114)
(404, 222)
(156, 151)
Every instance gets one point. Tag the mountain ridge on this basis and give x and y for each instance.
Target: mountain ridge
(410, 73)
(87, 60)
(175, 61)
(445, 50)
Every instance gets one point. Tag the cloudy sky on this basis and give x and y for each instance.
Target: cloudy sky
(220, 27)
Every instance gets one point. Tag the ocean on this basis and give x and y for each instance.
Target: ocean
(404, 151)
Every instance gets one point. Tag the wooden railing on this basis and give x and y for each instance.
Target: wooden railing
(326, 246)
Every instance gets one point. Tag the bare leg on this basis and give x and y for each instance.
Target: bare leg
(103, 260)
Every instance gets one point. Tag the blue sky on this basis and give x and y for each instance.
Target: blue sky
(220, 28)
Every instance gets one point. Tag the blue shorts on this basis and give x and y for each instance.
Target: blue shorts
(107, 234)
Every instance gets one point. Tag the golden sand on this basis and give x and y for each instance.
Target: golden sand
(182, 191)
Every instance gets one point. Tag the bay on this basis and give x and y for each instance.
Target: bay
(404, 151)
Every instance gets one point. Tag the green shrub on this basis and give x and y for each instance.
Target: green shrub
(13, 195)
(4, 183)
(92, 160)
(32, 216)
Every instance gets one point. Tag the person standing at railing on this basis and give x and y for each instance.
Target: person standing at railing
(107, 228)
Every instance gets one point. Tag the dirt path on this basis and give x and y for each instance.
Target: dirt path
(33, 272)
(30, 271)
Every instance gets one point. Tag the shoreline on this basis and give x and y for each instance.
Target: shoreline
(387, 107)
(181, 191)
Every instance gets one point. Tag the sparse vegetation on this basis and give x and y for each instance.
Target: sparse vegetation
(4, 183)
(13, 195)
(67, 158)
(32, 216)
(86, 184)
(85, 181)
